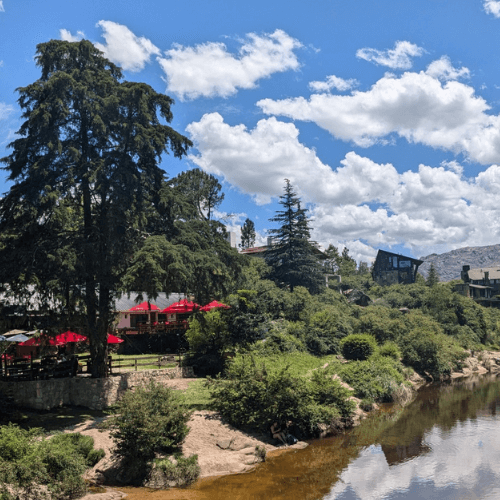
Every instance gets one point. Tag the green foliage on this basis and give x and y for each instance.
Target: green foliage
(432, 277)
(247, 234)
(326, 328)
(182, 471)
(430, 352)
(358, 346)
(391, 350)
(28, 460)
(147, 421)
(252, 396)
(291, 258)
(278, 340)
(377, 378)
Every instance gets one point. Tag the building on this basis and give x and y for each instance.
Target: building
(482, 285)
(391, 268)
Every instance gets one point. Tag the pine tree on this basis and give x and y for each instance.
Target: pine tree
(291, 256)
(85, 179)
(247, 234)
(432, 277)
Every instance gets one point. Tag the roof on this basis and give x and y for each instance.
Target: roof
(385, 252)
(125, 301)
(478, 274)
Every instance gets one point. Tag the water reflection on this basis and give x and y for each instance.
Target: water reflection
(445, 445)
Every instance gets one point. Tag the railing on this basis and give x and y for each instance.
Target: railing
(20, 369)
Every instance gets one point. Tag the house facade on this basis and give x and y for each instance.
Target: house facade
(480, 284)
(392, 268)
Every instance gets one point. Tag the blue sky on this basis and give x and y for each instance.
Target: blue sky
(385, 116)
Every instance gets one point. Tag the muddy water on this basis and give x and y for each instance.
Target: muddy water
(445, 445)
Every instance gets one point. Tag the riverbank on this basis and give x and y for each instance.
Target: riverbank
(224, 450)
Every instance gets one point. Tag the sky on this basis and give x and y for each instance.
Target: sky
(384, 116)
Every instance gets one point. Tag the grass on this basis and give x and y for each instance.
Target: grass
(197, 395)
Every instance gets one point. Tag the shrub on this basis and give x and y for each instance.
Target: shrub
(147, 421)
(390, 350)
(434, 353)
(252, 396)
(181, 471)
(358, 346)
(377, 378)
(27, 460)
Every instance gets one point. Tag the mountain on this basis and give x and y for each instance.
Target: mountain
(449, 265)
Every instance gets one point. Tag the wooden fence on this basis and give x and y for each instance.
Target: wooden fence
(50, 367)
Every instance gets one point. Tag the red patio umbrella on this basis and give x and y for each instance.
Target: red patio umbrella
(183, 306)
(113, 339)
(214, 304)
(144, 306)
(70, 337)
(37, 341)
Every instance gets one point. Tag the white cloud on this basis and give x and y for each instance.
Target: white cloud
(68, 37)
(1, 6)
(5, 110)
(414, 106)
(397, 58)
(210, 70)
(492, 7)
(124, 48)
(361, 203)
(443, 70)
(333, 82)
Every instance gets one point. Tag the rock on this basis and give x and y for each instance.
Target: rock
(248, 451)
(224, 444)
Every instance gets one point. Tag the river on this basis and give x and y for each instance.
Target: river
(445, 445)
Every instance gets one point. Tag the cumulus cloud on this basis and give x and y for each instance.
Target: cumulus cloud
(360, 203)
(209, 70)
(397, 58)
(333, 82)
(415, 106)
(492, 7)
(444, 70)
(68, 37)
(125, 48)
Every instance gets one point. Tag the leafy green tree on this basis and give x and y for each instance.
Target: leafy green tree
(347, 265)
(331, 264)
(247, 234)
(85, 176)
(432, 277)
(202, 191)
(291, 256)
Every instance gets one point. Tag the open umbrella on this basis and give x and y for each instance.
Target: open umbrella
(20, 337)
(113, 339)
(144, 306)
(183, 306)
(70, 337)
(214, 305)
(37, 341)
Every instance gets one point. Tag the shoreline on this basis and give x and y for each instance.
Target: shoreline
(224, 450)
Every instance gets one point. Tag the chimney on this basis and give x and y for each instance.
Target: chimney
(486, 277)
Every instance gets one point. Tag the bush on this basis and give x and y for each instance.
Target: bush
(358, 346)
(27, 460)
(147, 421)
(181, 471)
(378, 378)
(390, 350)
(251, 396)
(432, 353)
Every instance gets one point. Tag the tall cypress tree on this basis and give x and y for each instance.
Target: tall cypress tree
(291, 256)
(85, 176)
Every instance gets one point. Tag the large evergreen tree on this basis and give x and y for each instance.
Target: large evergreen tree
(85, 179)
(247, 234)
(291, 256)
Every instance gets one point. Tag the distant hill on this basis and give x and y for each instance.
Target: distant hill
(449, 265)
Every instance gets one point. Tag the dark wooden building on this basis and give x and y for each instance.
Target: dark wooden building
(391, 268)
